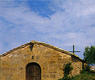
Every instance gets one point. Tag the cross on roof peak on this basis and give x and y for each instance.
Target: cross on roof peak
(74, 49)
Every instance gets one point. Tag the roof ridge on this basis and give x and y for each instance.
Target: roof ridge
(22, 46)
(42, 43)
(56, 48)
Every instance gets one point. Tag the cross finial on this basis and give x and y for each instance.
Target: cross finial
(74, 49)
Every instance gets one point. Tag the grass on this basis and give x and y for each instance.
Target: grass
(85, 76)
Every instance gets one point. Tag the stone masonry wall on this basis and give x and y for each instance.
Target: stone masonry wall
(13, 65)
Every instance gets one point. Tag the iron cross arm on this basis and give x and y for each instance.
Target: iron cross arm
(74, 51)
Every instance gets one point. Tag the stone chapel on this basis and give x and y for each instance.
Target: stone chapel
(37, 61)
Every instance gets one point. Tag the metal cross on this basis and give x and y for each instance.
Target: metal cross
(74, 49)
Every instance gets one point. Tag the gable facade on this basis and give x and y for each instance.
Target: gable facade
(38, 61)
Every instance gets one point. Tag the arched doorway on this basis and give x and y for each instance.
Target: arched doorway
(33, 71)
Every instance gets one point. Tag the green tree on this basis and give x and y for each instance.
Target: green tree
(89, 55)
(67, 69)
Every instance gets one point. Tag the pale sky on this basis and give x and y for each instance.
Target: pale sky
(60, 23)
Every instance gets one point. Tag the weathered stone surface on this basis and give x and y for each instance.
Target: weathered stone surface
(51, 60)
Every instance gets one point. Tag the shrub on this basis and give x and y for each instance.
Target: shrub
(67, 69)
(66, 78)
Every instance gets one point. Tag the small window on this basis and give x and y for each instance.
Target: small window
(32, 57)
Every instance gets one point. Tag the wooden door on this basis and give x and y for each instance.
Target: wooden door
(33, 72)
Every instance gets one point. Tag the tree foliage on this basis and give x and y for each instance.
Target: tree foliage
(67, 69)
(89, 55)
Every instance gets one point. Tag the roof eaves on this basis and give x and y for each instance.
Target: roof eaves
(56, 48)
(42, 43)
